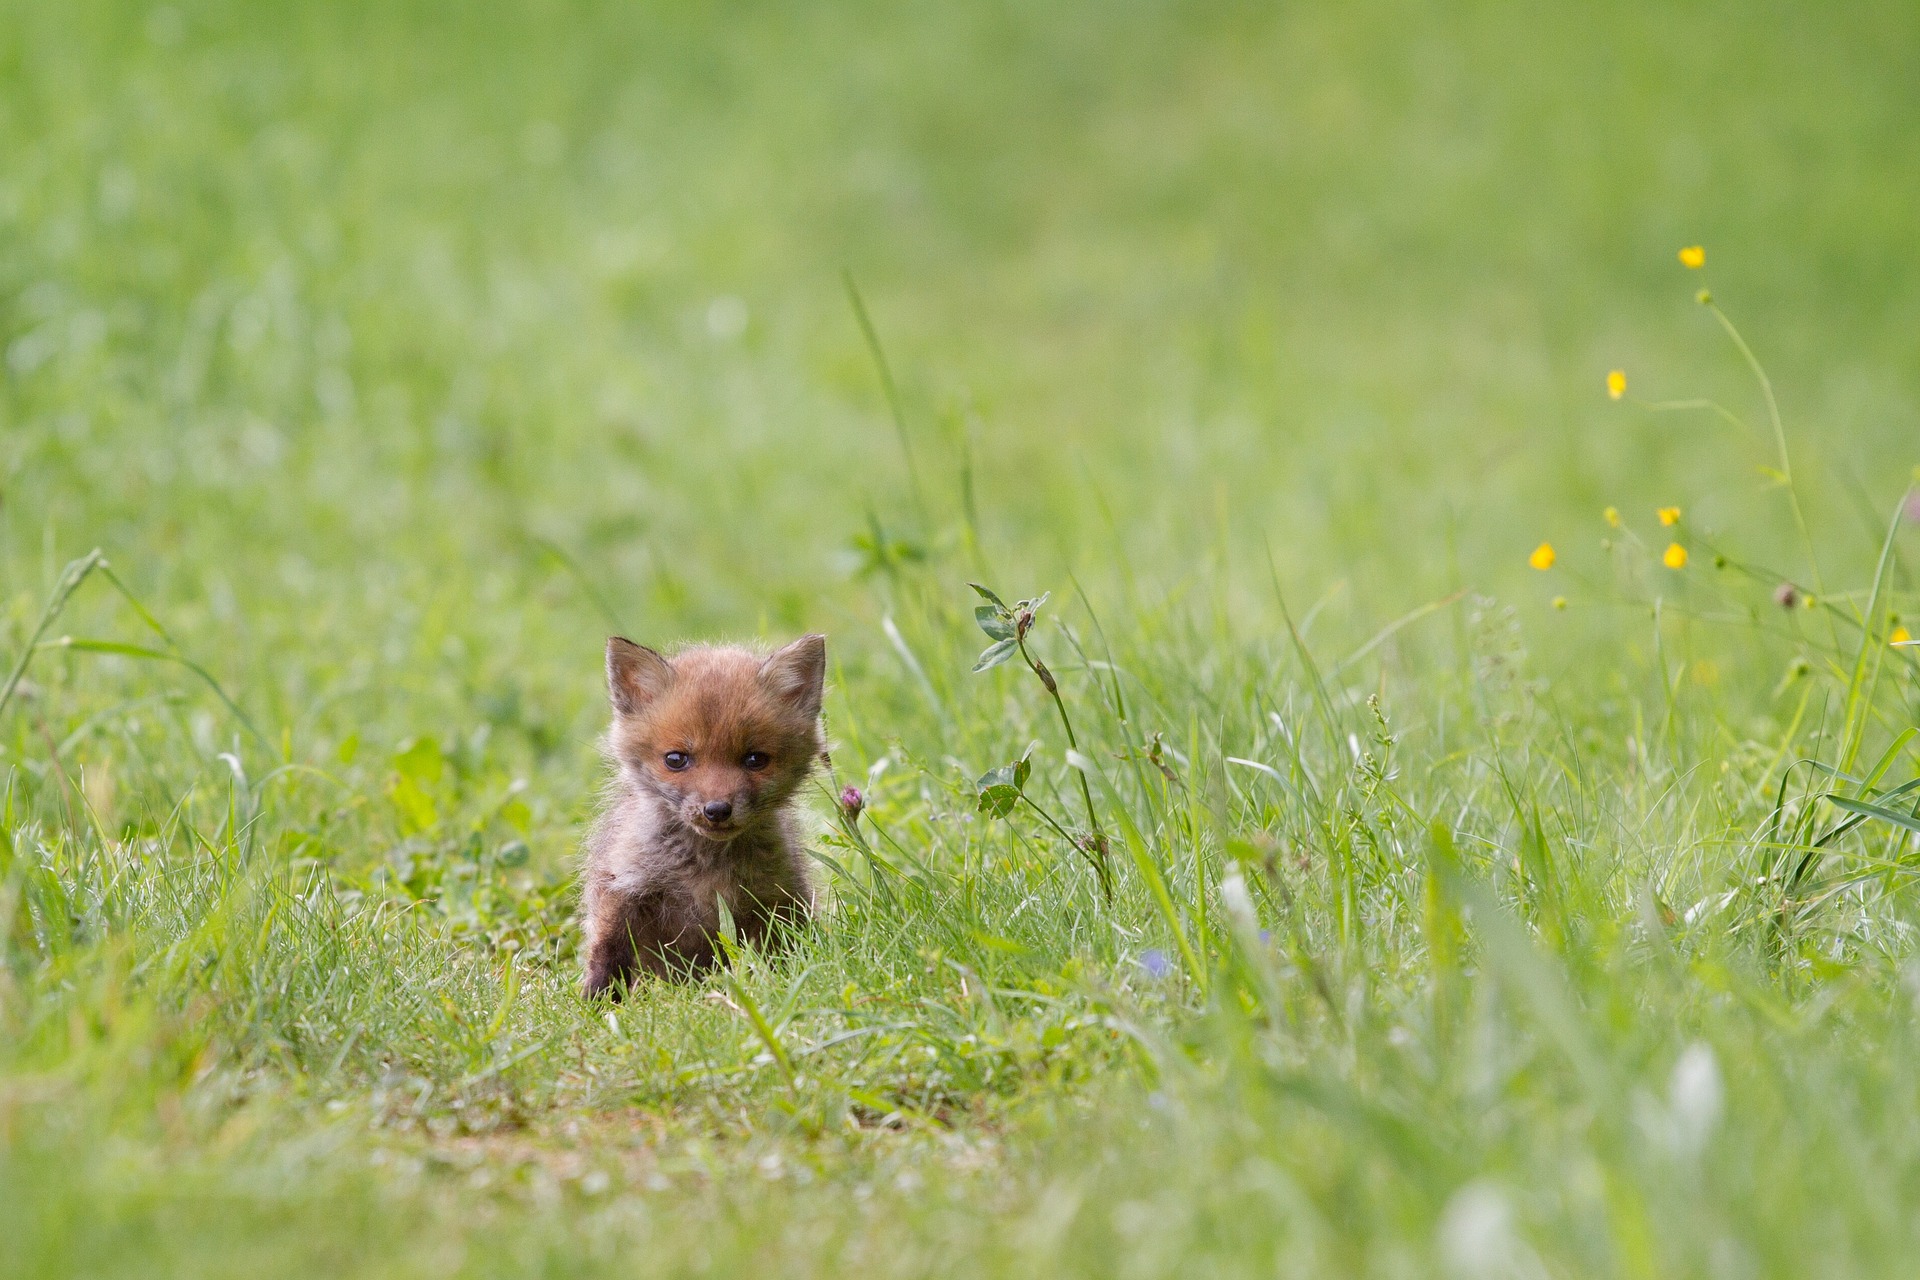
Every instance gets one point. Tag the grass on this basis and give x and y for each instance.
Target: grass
(391, 356)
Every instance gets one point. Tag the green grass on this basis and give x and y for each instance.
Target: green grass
(394, 354)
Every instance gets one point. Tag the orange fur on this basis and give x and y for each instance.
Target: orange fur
(671, 843)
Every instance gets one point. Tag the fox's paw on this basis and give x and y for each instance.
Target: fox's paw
(602, 982)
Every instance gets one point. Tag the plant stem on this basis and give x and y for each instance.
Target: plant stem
(1047, 818)
(1099, 836)
(70, 579)
(1779, 438)
(888, 388)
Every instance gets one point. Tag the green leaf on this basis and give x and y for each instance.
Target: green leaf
(1245, 852)
(987, 593)
(993, 622)
(1000, 788)
(998, 802)
(111, 646)
(993, 942)
(995, 654)
(417, 811)
(1003, 776)
(1894, 816)
(420, 761)
(516, 815)
(125, 650)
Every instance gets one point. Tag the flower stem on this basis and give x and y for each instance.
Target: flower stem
(1098, 838)
(1779, 437)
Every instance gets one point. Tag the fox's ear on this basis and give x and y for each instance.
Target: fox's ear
(797, 674)
(636, 675)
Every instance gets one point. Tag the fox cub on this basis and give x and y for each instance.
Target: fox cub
(708, 749)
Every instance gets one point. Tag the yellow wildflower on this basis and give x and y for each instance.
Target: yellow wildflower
(1616, 384)
(1694, 257)
(1675, 557)
(1612, 516)
(1559, 602)
(1542, 557)
(1900, 635)
(1669, 515)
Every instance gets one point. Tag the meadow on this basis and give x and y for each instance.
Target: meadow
(1486, 844)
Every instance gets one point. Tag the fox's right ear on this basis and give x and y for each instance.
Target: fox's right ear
(636, 675)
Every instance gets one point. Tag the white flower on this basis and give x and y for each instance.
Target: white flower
(1694, 1098)
(1478, 1238)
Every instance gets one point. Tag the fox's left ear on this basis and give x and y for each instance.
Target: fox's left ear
(797, 674)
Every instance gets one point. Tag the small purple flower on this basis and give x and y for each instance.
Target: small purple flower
(1155, 962)
(851, 803)
(1266, 937)
(1786, 595)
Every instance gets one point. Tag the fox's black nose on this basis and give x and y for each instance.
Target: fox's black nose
(718, 810)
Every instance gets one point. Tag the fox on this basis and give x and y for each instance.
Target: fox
(707, 751)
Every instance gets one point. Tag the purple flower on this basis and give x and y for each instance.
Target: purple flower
(1786, 596)
(1155, 962)
(851, 803)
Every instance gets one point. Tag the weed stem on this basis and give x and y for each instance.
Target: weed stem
(1098, 837)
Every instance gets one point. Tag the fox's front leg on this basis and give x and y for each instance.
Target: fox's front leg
(623, 937)
(648, 933)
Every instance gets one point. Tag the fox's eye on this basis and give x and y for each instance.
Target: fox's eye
(756, 760)
(678, 760)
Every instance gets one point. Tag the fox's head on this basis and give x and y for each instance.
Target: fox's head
(722, 737)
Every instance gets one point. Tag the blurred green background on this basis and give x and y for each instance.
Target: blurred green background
(315, 313)
(395, 353)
